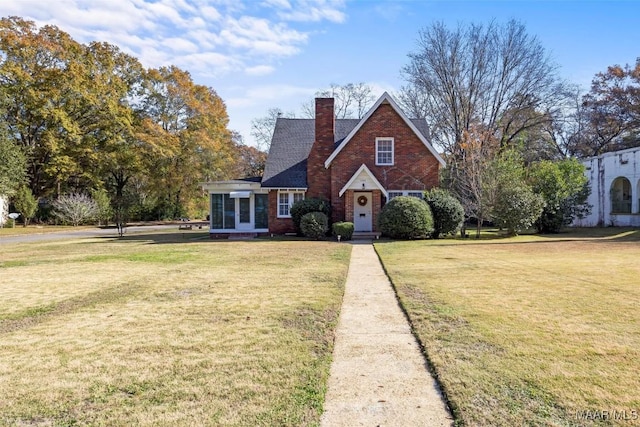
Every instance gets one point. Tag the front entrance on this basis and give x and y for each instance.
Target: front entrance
(362, 211)
(243, 216)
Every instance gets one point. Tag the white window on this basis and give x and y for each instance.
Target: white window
(413, 193)
(384, 151)
(393, 194)
(286, 199)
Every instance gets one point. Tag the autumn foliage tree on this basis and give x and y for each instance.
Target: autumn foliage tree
(90, 116)
(612, 110)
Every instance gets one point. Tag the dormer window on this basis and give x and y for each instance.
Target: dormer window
(384, 151)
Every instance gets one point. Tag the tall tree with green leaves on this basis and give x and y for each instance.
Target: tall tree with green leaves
(564, 188)
(514, 204)
(13, 165)
(35, 68)
(25, 203)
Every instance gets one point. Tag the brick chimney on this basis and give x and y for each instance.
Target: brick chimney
(318, 177)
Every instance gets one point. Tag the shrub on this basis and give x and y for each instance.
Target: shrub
(406, 217)
(447, 211)
(343, 229)
(517, 208)
(303, 207)
(75, 208)
(314, 225)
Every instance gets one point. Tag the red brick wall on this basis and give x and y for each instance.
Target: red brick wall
(318, 177)
(278, 225)
(414, 168)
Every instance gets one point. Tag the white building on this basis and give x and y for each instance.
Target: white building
(614, 179)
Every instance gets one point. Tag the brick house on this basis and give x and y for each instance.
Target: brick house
(356, 164)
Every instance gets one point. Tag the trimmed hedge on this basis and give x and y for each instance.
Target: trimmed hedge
(406, 217)
(303, 207)
(343, 229)
(447, 211)
(314, 225)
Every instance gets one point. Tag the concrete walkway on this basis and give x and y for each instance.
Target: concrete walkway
(378, 375)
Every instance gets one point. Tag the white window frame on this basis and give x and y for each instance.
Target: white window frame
(378, 151)
(412, 193)
(291, 196)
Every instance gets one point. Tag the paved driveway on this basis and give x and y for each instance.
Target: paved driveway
(85, 232)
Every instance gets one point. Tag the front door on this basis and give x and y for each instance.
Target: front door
(243, 215)
(362, 211)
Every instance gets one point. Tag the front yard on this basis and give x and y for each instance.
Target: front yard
(532, 330)
(155, 330)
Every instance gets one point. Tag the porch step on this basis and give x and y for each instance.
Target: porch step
(365, 235)
(242, 236)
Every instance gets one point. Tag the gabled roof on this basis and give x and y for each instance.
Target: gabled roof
(364, 170)
(292, 139)
(291, 143)
(385, 98)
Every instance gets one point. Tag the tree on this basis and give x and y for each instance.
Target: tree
(250, 161)
(75, 208)
(70, 105)
(494, 75)
(352, 100)
(103, 204)
(12, 165)
(466, 175)
(25, 203)
(612, 109)
(262, 128)
(564, 188)
(32, 75)
(186, 124)
(514, 205)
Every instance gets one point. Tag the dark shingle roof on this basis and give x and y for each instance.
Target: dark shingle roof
(291, 143)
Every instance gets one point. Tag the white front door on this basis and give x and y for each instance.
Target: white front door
(243, 213)
(362, 211)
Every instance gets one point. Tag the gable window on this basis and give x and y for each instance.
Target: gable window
(384, 151)
(286, 199)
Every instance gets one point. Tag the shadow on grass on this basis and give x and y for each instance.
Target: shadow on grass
(587, 235)
(182, 237)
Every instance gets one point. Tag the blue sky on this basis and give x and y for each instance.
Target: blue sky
(259, 54)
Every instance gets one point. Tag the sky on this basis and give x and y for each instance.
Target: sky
(262, 54)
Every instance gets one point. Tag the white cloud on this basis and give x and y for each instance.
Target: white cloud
(281, 95)
(227, 33)
(259, 70)
(282, 4)
(315, 11)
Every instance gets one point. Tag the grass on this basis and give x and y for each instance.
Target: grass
(153, 330)
(531, 330)
(19, 230)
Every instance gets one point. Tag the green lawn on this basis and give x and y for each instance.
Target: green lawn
(531, 330)
(153, 330)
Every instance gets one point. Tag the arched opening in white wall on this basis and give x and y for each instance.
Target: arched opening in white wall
(638, 196)
(621, 196)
